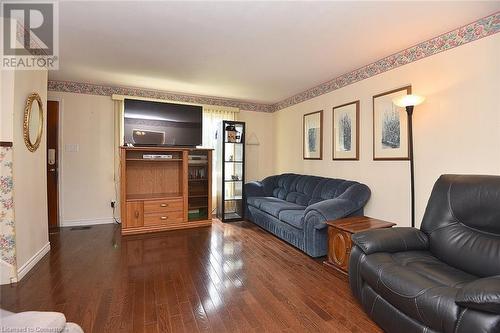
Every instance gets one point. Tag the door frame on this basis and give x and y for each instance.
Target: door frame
(60, 148)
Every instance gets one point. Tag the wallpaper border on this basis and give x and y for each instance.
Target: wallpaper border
(104, 90)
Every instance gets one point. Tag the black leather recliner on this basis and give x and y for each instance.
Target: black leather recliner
(444, 277)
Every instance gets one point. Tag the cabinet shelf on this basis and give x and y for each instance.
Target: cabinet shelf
(153, 196)
(233, 161)
(198, 180)
(233, 216)
(197, 206)
(154, 159)
(235, 198)
(198, 195)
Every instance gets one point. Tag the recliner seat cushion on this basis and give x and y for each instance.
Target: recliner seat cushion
(293, 217)
(275, 207)
(418, 284)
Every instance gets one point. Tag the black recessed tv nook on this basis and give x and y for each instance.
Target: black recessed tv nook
(149, 123)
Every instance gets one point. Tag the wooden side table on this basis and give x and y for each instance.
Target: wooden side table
(339, 238)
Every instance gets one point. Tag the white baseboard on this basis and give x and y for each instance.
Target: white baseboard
(78, 223)
(24, 269)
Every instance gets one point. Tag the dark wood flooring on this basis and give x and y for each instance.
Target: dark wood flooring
(227, 278)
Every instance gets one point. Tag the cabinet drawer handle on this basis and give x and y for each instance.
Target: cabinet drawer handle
(163, 205)
(163, 218)
(136, 214)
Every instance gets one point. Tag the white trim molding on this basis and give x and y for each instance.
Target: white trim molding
(24, 269)
(85, 222)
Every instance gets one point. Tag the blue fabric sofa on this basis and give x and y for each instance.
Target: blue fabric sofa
(295, 207)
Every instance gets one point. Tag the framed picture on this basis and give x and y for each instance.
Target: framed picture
(346, 132)
(313, 136)
(390, 126)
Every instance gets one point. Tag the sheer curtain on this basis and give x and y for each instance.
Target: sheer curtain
(212, 119)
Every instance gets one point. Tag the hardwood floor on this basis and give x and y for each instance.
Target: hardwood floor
(227, 278)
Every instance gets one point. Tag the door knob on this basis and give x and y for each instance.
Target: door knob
(163, 205)
(163, 217)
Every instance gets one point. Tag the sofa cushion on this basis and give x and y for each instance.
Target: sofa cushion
(274, 207)
(418, 284)
(302, 188)
(257, 201)
(32, 321)
(293, 217)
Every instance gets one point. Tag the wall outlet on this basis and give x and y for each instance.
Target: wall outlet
(113, 203)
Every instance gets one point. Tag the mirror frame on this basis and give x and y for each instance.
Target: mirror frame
(26, 124)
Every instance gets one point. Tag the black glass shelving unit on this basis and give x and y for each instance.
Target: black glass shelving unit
(231, 171)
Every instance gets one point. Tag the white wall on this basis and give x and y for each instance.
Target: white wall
(86, 176)
(259, 158)
(6, 104)
(29, 172)
(457, 130)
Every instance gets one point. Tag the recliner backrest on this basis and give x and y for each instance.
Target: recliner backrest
(462, 220)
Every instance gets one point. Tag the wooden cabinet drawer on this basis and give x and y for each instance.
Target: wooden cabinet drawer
(165, 205)
(164, 218)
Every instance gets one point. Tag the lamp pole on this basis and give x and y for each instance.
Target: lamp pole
(409, 111)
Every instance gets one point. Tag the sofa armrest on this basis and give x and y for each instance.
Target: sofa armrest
(254, 189)
(332, 209)
(482, 294)
(391, 240)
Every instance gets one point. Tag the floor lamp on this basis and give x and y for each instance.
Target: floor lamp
(409, 102)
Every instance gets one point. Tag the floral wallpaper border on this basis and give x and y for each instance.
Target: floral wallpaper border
(95, 89)
(7, 229)
(483, 27)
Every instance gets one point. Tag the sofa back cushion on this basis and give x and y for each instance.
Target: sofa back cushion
(462, 221)
(305, 190)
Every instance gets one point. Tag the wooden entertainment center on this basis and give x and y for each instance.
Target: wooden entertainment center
(165, 192)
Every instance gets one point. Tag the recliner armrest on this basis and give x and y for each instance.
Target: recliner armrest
(391, 240)
(482, 294)
(254, 189)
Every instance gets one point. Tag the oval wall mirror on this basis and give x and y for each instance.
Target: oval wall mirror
(33, 122)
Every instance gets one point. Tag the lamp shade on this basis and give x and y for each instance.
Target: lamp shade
(408, 100)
